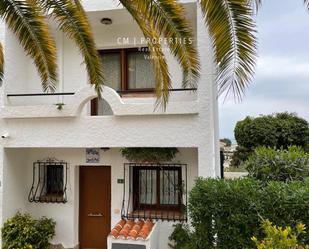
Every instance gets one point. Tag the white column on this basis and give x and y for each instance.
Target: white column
(208, 151)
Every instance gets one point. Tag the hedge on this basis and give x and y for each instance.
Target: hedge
(227, 213)
(267, 164)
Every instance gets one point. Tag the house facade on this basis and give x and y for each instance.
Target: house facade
(60, 153)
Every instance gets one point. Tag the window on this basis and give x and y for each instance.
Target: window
(128, 70)
(159, 188)
(155, 191)
(54, 177)
(140, 71)
(49, 181)
(111, 63)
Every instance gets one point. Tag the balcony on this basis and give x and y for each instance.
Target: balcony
(125, 71)
(69, 104)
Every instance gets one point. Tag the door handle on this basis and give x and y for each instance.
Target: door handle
(95, 215)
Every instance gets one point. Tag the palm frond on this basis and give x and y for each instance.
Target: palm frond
(255, 4)
(1, 62)
(306, 2)
(163, 80)
(232, 28)
(73, 21)
(168, 18)
(25, 19)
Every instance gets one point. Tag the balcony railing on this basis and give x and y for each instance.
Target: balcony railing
(38, 94)
(119, 92)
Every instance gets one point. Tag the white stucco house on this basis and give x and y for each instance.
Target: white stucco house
(76, 150)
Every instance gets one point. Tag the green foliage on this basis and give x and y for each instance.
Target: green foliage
(23, 232)
(280, 130)
(240, 155)
(180, 237)
(279, 165)
(228, 212)
(232, 28)
(149, 154)
(280, 238)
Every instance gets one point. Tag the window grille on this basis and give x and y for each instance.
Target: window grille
(155, 191)
(49, 183)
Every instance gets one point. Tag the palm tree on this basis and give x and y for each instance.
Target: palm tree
(229, 22)
(27, 20)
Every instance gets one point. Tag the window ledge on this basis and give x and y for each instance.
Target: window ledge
(138, 95)
(169, 215)
(52, 198)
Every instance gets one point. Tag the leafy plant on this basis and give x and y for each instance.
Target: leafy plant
(23, 232)
(149, 154)
(279, 165)
(279, 130)
(225, 214)
(27, 20)
(280, 238)
(180, 237)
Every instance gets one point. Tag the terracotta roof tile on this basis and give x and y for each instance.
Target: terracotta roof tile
(129, 229)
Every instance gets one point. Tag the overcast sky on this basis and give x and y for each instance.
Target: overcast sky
(282, 78)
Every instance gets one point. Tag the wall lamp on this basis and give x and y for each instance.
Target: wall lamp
(106, 21)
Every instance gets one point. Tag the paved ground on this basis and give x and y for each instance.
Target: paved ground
(233, 175)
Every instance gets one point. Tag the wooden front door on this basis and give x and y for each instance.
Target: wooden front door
(94, 207)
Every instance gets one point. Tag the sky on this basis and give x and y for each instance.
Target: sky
(281, 81)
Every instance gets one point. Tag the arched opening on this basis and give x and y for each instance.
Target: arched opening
(100, 107)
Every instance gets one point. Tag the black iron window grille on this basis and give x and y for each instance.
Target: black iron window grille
(155, 191)
(49, 182)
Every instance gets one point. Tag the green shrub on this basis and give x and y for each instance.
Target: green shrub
(279, 130)
(280, 238)
(23, 232)
(149, 154)
(228, 212)
(180, 237)
(279, 165)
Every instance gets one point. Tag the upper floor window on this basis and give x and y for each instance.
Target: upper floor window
(128, 70)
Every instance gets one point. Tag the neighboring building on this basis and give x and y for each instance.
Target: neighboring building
(66, 164)
(228, 152)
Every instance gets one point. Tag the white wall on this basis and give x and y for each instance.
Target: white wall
(18, 179)
(14, 177)
(2, 39)
(171, 130)
(199, 130)
(207, 95)
(22, 76)
(93, 5)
